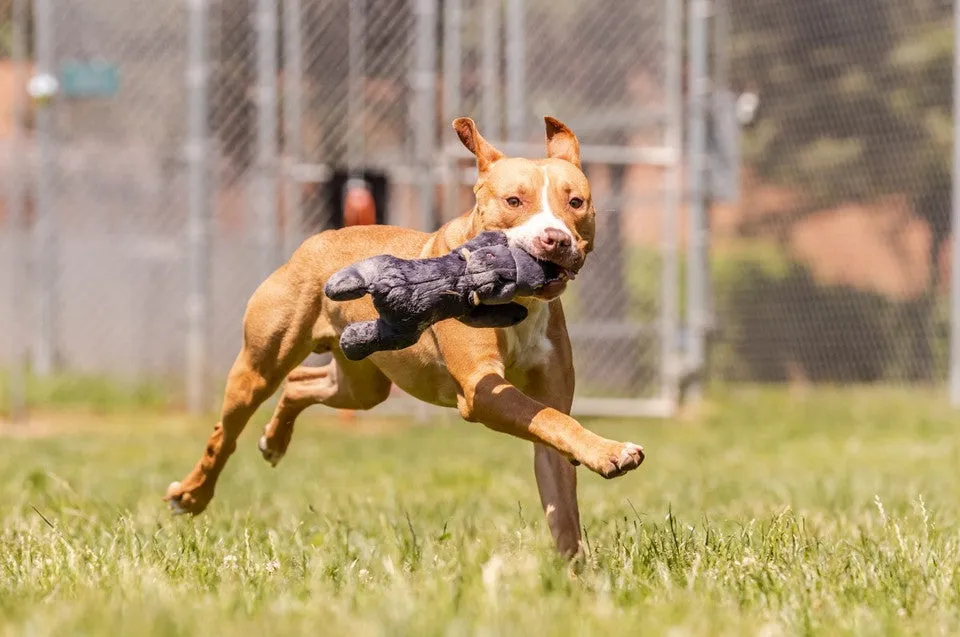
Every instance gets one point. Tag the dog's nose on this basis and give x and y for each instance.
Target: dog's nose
(553, 239)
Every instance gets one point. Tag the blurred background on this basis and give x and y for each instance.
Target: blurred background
(773, 177)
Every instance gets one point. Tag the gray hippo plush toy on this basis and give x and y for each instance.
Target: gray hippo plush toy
(475, 284)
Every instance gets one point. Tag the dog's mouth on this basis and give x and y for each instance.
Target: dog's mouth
(557, 273)
(557, 277)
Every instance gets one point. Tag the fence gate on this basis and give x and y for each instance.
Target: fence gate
(105, 198)
(380, 83)
(612, 73)
(193, 146)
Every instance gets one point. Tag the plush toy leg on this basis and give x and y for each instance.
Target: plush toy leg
(495, 315)
(359, 340)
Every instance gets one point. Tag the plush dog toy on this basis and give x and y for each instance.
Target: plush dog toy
(475, 284)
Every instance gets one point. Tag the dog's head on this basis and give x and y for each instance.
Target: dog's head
(542, 205)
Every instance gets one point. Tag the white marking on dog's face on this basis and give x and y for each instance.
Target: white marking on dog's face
(523, 236)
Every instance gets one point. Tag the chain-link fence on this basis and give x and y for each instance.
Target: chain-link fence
(833, 264)
(158, 202)
(97, 216)
(192, 146)
(613, 75)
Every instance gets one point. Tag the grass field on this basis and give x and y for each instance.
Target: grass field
(835, 512)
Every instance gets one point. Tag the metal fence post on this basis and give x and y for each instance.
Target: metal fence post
(45, 231)
(490, 70)
(424, 112)
(452, 59)
(266, 179)
(198, 209)
(424, 125)
(15, 202)
(955, 221)
(516, 68)
(697, 197)
(670, 361)
(452, 91)
(356, 78)
(292, 119)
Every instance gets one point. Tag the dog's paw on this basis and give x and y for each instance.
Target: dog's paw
(273, 456)
(617, 458)
(181, 501)
(173, 501)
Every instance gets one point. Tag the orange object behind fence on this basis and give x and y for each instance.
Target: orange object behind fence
(359, 209)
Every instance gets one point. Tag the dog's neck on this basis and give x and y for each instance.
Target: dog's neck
(452, 234)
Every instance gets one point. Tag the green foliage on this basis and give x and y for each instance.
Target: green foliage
(856, 97)
(856, 104)
(834, 514)
(7, 26)
(766, 259)
(642, 272)
(644, 277)
(622, 364)
(6, 33)
(775, 318)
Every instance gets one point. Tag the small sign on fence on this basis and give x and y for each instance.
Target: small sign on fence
(89, 78)
(724, 145)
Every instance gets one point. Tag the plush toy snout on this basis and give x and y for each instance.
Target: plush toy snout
(506, 273)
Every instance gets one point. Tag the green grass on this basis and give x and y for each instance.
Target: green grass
(833, 513)
(102, 394)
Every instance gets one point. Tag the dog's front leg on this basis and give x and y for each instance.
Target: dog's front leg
(484, 395)
(488, 398)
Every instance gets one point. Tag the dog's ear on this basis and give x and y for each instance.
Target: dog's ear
(485, 153)
(561, 142)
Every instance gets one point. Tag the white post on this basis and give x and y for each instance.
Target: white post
(516, 54)
(670, 360)
(292, 118)
(198, 209)
(19, 271)
(955, 221)
(266, 179)
(46, 259)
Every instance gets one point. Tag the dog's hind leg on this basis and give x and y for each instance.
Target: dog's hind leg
(341, 384)
(277, 336)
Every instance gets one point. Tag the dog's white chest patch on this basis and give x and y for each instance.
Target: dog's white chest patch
(527, 343)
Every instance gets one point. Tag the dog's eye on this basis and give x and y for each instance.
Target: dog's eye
(513, 202)
(576, 203)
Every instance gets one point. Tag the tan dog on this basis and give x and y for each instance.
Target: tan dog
(517, 380)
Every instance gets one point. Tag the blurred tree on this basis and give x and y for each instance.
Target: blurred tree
(6, 27)
(855, 104)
